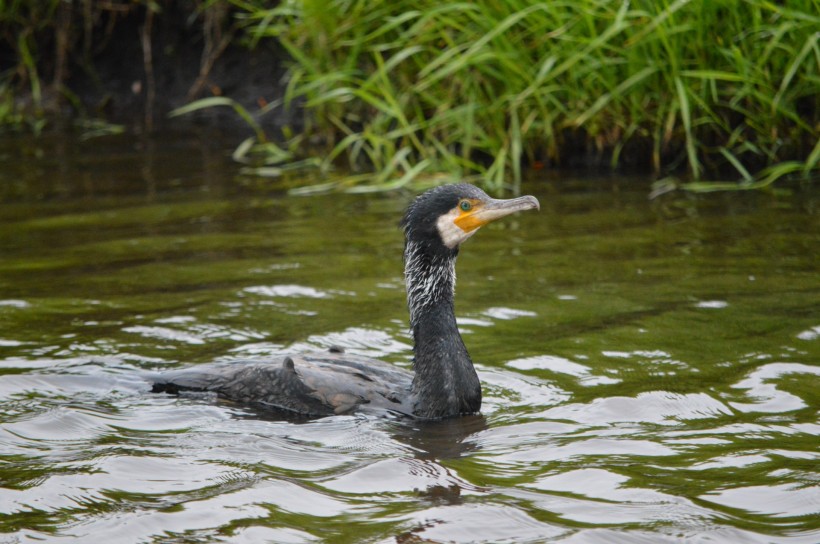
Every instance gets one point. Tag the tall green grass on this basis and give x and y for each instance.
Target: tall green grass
(726, 88)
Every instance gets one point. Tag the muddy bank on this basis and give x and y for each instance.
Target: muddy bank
(129, 64)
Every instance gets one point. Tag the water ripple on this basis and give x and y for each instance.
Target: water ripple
(659, 407)
(767, 397)
(468, 522)
(780, 501)
(354, 340)
(293, 291)
(561, 365)
(394, 476)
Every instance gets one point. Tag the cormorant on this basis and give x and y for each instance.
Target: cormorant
(444, 382)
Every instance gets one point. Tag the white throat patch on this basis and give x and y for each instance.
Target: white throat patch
(451, 234)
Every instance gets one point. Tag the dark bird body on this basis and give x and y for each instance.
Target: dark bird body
(315, 384)
(444, 382)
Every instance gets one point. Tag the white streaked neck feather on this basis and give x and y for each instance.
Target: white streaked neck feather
(429, 280)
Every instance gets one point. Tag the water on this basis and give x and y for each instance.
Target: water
(649, 368)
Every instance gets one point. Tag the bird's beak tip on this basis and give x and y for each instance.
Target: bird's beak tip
(532, 201)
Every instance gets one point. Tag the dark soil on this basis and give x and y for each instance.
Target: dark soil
(98, 63)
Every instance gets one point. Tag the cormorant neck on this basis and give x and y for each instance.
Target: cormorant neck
(445, 382)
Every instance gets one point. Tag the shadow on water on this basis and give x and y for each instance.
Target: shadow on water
(440, 440)
(649, 369)
(429, 440)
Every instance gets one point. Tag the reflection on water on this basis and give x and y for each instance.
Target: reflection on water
(649, 368)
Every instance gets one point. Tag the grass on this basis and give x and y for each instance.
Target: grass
(725, 89)
(723, 93)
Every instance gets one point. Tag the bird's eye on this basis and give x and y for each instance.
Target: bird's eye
(465, 206)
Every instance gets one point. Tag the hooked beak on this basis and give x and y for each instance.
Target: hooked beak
(488, 211)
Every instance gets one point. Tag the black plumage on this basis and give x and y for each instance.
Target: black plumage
(444, 382)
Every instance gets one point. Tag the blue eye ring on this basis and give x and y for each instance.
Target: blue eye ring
(465, 205)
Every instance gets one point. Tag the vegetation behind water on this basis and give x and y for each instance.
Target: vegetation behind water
(483, 87)
(718, 90)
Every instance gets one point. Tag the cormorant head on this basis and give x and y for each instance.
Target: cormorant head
(442, 218)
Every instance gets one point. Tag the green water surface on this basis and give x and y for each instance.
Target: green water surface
(650, 368)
